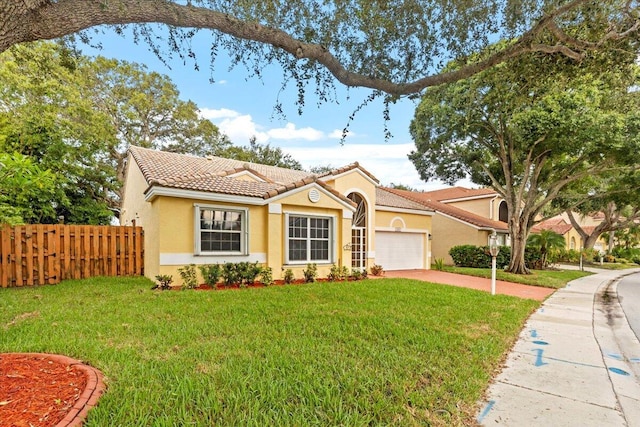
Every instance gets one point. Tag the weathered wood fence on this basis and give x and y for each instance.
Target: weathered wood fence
(47, 254)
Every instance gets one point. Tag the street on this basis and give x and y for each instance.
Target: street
(629, 297)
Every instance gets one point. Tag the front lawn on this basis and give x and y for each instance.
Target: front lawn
(546, 278)
(375, 352)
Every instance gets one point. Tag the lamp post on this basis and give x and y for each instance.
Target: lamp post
(493, 249)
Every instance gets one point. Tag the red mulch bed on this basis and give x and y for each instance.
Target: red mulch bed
(37, 390)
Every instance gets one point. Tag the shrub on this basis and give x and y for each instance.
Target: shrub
(230, 274)
(189, 277)
(211, 273)
(344, 272)
(364, 273)
(266, 276)
(356, 274)
(165, 281)
(248, 272)
(310, 273)
(377, 270)
(335, 273)
(480, 257)
(288, 276)
(438, 264)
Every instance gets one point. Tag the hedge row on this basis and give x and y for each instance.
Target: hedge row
(480, 257)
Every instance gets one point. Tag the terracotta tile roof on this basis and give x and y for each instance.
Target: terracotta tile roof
(347, 168)
(211, 174)
(556, 224)
(384, 197)
(425, 199)
(454, 193)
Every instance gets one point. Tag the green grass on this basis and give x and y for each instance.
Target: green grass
(546, 278)
(376, 352)
(612, 266)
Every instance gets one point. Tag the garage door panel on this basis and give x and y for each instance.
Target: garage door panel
(399, 251)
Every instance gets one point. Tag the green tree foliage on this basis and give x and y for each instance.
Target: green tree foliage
(529, 128)
(261, 153)
(76, 116)
(27, 193)
(546, 241)
(398, 48)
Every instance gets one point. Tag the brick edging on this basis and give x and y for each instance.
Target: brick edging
(90, 395)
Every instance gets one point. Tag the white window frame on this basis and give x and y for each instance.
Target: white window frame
(332, 239)
(244, 229)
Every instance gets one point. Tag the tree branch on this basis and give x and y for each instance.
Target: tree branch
(30, 20)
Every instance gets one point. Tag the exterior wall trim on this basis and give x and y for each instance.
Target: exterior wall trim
(169, 258)
(405, 210)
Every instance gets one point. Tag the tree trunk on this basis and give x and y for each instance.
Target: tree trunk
(517, 264)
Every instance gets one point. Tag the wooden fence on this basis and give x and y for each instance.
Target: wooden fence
(47, 254)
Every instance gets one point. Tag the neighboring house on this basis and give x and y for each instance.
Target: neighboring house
(561, 225)
(197, 210)
(453, 225)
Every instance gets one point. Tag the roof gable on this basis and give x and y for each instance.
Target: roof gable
(452, 211)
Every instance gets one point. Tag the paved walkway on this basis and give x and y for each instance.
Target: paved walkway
(505, 288)
(576, 363)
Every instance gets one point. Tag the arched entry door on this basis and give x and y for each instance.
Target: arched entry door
(359, 232)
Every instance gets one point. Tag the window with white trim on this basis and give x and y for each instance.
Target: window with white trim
(309, 239)
(220, 230)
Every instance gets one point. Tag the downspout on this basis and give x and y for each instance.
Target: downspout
(491, 207)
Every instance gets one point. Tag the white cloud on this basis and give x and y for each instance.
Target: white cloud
(223, 82)
(221, 113)
(337, 134)
(289, 131)
(386, 161)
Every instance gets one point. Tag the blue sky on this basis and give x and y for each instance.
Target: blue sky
(243, 106)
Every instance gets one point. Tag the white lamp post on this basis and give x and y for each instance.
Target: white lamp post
(493, 249)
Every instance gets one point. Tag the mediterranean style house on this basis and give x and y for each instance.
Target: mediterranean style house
(462, 216)
(198, 210)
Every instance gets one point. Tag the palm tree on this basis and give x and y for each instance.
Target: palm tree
(546, 240)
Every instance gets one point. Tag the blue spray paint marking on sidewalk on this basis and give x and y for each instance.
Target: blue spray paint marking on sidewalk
(541, 342)
(635, 360)
(615, 356)
(619, 371)
(539, 361)
(485, 411)
(534, 333)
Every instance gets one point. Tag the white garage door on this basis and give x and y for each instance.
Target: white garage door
(399, 251)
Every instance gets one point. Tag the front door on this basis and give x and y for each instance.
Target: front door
(358, 247)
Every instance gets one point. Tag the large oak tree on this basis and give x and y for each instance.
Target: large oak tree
(530, 128)
(393, 47)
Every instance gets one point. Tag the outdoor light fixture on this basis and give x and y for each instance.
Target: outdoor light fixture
(493, 250)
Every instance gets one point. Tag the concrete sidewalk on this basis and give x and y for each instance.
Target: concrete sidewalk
(576, 363)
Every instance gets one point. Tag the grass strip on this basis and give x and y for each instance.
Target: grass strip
(375, 352)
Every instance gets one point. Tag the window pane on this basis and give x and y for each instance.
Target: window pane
(297, 250)
(220, 231)
(319, 250)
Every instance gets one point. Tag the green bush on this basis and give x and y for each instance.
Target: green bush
(211, 273)
(230, 274)
(266, 276)
(310, 273)
(165, 281)
(480, 257)
(189, 277)
(335, 273)
(377, 270)
(438, 264)
(288, 276)
(356, 274)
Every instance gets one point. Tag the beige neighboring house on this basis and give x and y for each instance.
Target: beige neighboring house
(197, 210)
(463, 216)
(573, 241)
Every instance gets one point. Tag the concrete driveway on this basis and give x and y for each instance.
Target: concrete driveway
(506, 288)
